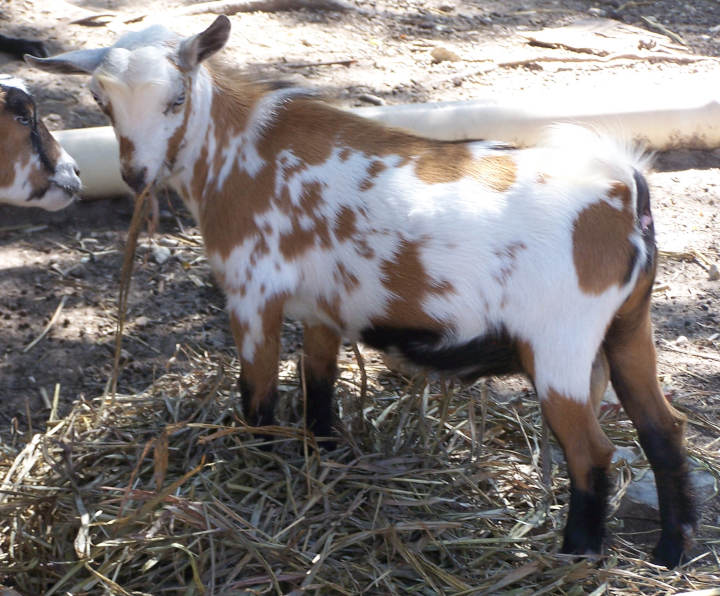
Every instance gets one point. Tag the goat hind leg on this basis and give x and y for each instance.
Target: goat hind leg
(631, 354)
(588, 453)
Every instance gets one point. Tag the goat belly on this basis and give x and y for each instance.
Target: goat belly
(491, 354)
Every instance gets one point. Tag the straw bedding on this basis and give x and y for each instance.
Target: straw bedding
(433, 489)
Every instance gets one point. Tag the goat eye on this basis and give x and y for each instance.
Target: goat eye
(24, 120)
(177, 103)
(96, 97)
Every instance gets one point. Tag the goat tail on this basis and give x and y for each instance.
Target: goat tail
(644, 218)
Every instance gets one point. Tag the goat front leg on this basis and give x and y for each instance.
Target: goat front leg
(258, 347)
(320, 347)
(633, 372)
(588, 453)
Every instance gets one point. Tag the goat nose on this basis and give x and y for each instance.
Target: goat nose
(67, 177)
(134, 178)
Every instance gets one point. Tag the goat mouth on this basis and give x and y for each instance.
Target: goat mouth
(39, 193)
(71, 191)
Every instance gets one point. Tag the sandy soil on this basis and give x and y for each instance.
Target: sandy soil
(75, 256)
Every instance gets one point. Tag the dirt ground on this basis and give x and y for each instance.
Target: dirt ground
(72, 259)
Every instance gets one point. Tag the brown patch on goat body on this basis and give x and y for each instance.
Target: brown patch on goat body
(453, 162)
(363, 248)
(407, 280)
(434, 161)
(602, 251)
(499, 172)
(229, 217)
(345, 224)
(301, 238)
(374, 170)
(578, 431)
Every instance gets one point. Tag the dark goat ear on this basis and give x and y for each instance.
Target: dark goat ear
(79, 61)
(195, 49)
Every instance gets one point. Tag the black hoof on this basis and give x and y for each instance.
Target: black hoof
(582, 545)
(669, 550)
(327, 443)
(321, 427)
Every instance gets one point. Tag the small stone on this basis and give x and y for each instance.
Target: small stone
(373, 99)
(681, 339)
(713, 273)
(441, 54)
(642, 488)
(160, 253)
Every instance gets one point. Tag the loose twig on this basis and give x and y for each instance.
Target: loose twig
(664, 30)
(139, 215)
(346, 62)
(359, 413)
(52, 321)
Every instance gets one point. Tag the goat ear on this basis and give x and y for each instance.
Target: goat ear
(77, 62)
(197, 48)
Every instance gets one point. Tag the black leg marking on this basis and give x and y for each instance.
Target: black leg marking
(319, 409)
(265, 415)
(678, 514)
(585, 527)
(319, 412)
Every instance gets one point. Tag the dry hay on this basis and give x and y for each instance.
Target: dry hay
(434, 490)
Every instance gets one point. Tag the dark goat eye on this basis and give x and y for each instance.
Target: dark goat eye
(175, 105)
(24, 120)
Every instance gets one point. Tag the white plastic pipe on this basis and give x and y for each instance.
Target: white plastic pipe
(660, 122)
(692, 126)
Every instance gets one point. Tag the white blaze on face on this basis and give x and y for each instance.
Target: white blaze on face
(142, 90)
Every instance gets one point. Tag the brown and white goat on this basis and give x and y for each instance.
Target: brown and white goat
(471, 258)
(35, 171)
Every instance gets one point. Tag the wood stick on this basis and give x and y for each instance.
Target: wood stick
(51, 322)
(139, 214)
